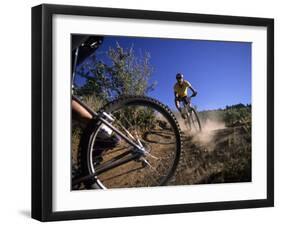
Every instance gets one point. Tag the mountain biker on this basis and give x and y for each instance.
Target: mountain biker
(181, 92)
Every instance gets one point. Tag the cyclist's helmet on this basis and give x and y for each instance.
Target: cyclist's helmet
(179, 76)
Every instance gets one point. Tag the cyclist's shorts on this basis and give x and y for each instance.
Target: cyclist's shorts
(184, 99)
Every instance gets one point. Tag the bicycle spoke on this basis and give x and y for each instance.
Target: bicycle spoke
(134, 122)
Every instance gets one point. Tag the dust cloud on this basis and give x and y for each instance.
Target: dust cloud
(205, 137)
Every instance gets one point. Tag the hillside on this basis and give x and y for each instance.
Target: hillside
(221, 153)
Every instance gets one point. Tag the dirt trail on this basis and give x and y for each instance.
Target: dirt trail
(216, 155)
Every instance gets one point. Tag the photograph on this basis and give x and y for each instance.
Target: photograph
(142, 112)
(154, 111)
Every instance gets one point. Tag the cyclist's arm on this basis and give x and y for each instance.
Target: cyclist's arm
(176, 101)
(194, 92)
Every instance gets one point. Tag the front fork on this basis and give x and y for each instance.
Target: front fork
(137, 153)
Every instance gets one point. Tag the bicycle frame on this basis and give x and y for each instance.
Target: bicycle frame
(140, 149)
(100, 118)
(184, 104)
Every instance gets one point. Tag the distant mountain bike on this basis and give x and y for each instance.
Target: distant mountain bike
(190, 116)
(114, 150)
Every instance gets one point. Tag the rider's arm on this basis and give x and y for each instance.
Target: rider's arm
(80, 112)
(176, 101)
(194, 92)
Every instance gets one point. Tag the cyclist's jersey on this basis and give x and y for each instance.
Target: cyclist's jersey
(181, 90)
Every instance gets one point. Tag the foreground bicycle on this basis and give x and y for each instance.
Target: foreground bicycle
(190, 116)
(134, 141)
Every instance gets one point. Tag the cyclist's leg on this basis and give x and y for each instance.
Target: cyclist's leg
(105, 138)
(177, 102)
(80, 113)
(186, 100)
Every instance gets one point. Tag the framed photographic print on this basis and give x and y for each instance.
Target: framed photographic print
(131, 105)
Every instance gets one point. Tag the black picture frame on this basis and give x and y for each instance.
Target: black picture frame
(42, 111)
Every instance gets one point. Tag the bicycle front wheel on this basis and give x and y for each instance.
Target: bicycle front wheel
(145, 121)
(194, 120)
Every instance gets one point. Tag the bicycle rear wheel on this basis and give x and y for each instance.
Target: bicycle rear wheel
(140, 116)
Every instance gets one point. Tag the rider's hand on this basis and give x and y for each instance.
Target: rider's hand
(194, 94)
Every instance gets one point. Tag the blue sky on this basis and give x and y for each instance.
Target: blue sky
(220, 71)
